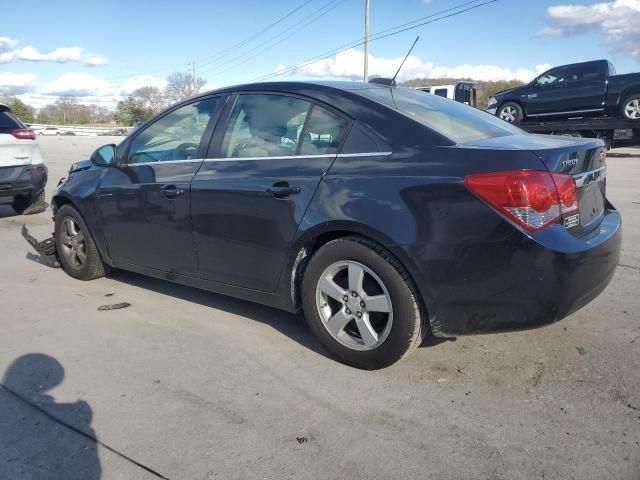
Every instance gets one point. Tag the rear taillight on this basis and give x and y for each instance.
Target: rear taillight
(533, 199)
(24, 134)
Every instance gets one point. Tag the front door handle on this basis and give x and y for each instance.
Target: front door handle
(171, 191)
(282, 190)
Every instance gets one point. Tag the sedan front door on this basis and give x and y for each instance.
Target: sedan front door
(144, 202)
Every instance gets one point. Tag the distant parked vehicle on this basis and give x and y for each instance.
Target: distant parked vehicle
(23, 174)
(463, 92)
(579, 89)
(50, 131)
(67, 132)
(117, 132)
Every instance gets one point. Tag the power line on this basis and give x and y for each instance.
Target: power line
(226, 51)
(277, 39)
(381, 35)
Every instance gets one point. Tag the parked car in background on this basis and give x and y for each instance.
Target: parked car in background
(23, 174)
(386, 214)
(589, 88)
(49, 131)
(116, 132)
(463, 92)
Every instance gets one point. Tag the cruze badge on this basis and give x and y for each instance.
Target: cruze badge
(572, 221)
(572, 162)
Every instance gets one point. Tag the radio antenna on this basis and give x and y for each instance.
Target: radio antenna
(393, 80)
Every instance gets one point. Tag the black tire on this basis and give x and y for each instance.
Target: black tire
(30, 205)
(510, 112)
(408, 328)
(92, 267)
(633, 102)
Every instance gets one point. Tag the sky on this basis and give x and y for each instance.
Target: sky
(99, 51)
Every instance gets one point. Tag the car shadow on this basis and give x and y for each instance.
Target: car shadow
(40, 437)
(289, 324)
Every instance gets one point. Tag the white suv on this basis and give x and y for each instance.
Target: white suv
(49, 131)
(23, 174)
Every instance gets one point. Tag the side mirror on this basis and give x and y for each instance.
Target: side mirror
(105, 156)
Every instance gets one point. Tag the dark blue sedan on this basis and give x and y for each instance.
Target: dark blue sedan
(384, 213)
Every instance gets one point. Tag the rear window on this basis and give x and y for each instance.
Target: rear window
(9, 122)
(454, 120)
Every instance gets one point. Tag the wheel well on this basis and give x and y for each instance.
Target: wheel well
(306, 252)
(59, 201)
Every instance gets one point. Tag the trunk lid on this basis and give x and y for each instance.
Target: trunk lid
(583, 158)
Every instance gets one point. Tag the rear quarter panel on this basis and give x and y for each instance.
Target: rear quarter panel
(414, 203)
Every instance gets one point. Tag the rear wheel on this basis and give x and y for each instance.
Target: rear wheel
(30, 205)
(631, 107)
(361, 303)
(511, 112)
(76, 249)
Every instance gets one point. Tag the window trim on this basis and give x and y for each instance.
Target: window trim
(214, 150)
(204, 140)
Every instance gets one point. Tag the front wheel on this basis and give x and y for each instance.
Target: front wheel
(511, 112)
(631, 107)
(361, 303)
(76, 249)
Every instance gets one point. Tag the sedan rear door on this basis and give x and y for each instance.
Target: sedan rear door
(251, 194)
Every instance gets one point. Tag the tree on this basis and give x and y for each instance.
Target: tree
(182, 85)
(151, 97)
(21, 110)
(131, 110)
(66, 104)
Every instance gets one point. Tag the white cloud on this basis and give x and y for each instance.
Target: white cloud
(131, 84)
(16, 83)
(350, 63)
(618, 21)
(78, 85)
(9, 52)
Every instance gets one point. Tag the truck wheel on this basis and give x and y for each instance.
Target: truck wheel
(361, 303)
(76, 249)
(511, 112)
(631, 107)
(29, 205)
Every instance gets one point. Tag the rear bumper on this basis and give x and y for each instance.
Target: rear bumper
(520, 282)
(16, 181)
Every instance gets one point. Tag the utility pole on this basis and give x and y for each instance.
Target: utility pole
(366, 40)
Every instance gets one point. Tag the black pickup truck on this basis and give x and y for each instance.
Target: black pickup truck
(579, 89)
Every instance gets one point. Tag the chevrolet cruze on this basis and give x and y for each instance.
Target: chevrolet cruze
(384, 213)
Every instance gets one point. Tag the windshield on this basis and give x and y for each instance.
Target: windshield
(454, 120)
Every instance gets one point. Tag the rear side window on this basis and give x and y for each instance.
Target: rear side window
(9, 122)
(456, 121)
(441, 92)
(323, 132)
(265, 126)
(586, 71)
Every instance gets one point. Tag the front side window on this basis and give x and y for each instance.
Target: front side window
(264, 125)
(323, 133)
(552, 77)
(176, 136)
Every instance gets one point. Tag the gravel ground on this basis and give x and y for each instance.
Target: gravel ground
(186, 384)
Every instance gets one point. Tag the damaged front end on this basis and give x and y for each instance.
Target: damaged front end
(46, 248)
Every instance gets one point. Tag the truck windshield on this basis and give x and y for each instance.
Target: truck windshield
(452, 119)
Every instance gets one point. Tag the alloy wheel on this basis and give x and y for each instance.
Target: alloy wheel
(632, 109)
(509, 114)
(354, 305)
(74, 247)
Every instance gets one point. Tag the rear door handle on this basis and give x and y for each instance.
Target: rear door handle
(283, 190)
(171, 191)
